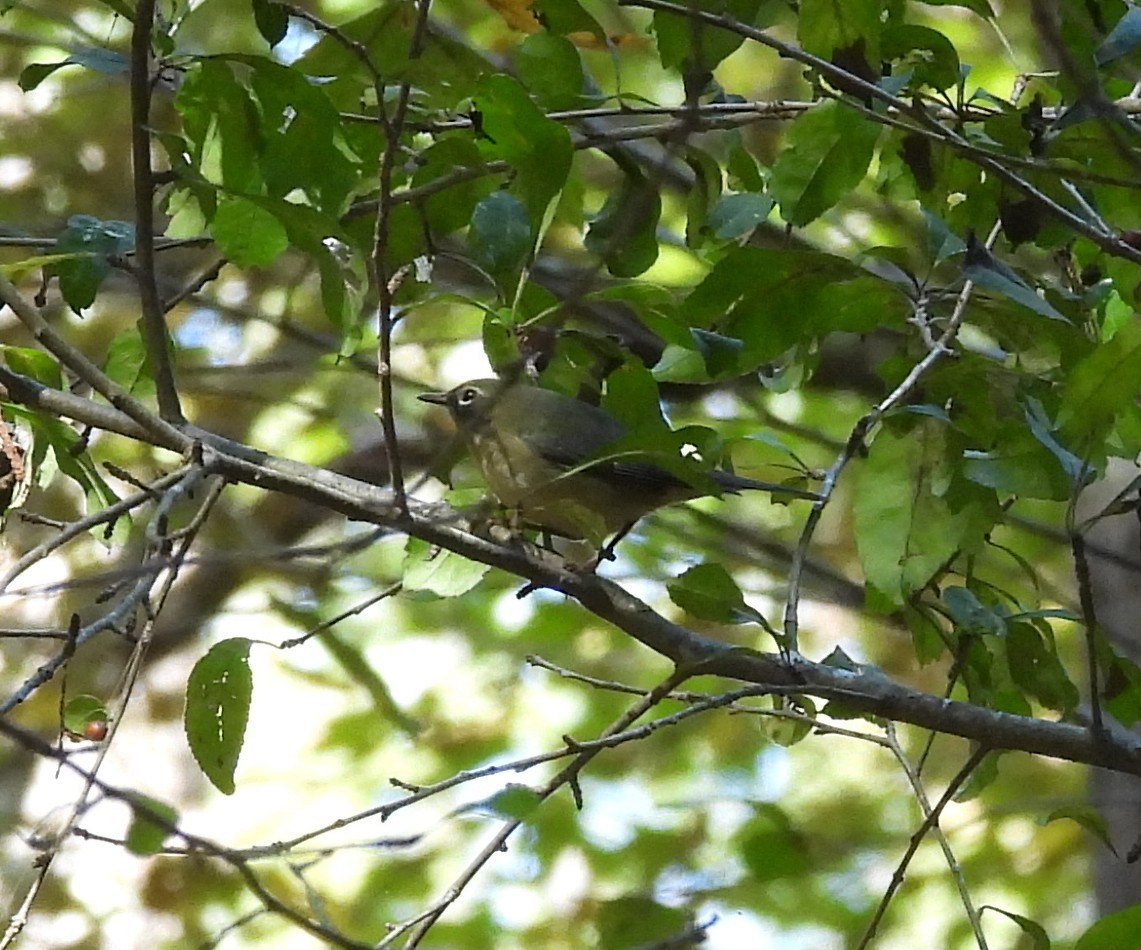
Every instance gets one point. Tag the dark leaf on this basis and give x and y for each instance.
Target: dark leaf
(624, 232)
(708, 592)
(218, 696)
(500, 233)
(272, 20)
(827, 153)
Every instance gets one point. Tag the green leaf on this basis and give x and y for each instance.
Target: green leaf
(449, 209)
(969, 613)
(981, 7)
(721, 354)
(1121, 691)
(634, 921)
(442, 572)
(1039, 939)
(624, 233)
(550, 66)
(514, 801)
(825, 26)
(735, 216)
(218, 115)
(1088, 817)
(928, 52)
(80, 710)
(742, 170)
(35, 73)
(1101, 385)
(218, 696)
(101, 59)
(984, 269)
(272, 20)
(1113, 932)
(942, 242)
(299, 137)
(926, 636)
(1077, 471)
(826, 155)
(560, 17)
(708, 592)
(88, 243)
(36, 364)
(772, 300)
(1021, 467)
(982, 777)
(320, 236)
(692, 46)
(705, 191)
(247, 234)
(771, 847)
(905, 529)
(127, 365)
(145, 834)
(500, 234)
(1035, 667)
(537, 148)
(97, 59)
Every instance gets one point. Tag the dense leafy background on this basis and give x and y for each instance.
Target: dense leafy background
(884, 249)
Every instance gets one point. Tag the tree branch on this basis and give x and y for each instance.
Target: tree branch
(153, 326)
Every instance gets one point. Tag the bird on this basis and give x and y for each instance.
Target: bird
(543, 455)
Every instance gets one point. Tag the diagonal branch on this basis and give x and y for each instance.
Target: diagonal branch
(160, 431)
(1109, 243)
(865, 691)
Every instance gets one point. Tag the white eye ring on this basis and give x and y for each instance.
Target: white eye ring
(468, 396)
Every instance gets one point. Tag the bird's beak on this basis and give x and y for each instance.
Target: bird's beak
(436, 399)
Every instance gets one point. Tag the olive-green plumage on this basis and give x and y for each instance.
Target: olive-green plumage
(530, 445)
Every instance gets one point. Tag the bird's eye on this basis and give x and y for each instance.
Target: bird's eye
(468, 396)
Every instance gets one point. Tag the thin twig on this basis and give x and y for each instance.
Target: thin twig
(104, 516)
(939, 349)
(152, 325)
(1089, 622)
(385, 283)
(929, 822)
(418, 927)
(1110, 243)
(973, 914)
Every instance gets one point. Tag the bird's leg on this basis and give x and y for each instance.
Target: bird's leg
(606, 552)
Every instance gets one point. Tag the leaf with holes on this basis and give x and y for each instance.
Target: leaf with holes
(218, 708)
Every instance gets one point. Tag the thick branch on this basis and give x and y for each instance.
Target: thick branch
(864, 691)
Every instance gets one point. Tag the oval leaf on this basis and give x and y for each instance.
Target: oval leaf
(218, 708)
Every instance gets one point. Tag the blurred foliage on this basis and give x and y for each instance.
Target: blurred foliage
(891, 242)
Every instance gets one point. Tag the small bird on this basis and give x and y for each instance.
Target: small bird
(543, 454)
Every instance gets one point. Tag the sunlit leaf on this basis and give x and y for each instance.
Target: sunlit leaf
(441, 572)
(1112, 932)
